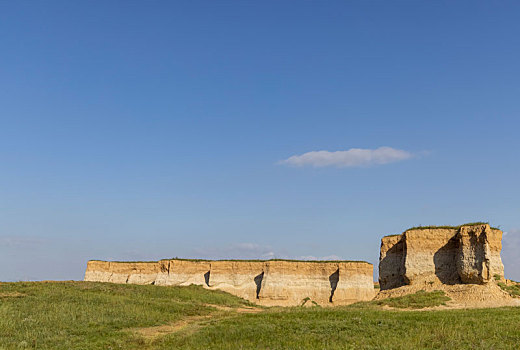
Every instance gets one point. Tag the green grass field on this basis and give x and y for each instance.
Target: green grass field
(83, 315)
(419, 300)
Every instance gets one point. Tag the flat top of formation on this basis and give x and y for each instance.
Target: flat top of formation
(247, 260)
(434, 227)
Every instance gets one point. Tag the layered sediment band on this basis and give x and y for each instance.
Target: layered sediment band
(272, 282)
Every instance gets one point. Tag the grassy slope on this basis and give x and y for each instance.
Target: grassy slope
(86, 315)
(83, 315)
(358, 328)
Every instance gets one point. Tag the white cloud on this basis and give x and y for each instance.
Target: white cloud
(354, 157)
(316, 258)
(17, 241)
(510, 254)
(251, 251)
(236, 251)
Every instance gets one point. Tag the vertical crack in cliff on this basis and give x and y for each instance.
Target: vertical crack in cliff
(333, 280)
(206, 278)
(258, 281)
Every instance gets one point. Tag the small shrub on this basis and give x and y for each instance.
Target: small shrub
(307, 299)
(304, 301)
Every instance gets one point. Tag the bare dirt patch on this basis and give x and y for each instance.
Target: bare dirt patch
(192, 323)
(240, 310)
(6, 295)
(157, 331)
(463, 296)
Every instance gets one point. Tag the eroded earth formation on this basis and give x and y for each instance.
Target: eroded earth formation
(270, 283)
(460, 255)
(462, 261)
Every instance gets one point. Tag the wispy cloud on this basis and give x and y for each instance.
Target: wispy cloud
(312, 257)
(236, 251)
(354, 157)
(510, 255)
(17, 241)
(252, 251)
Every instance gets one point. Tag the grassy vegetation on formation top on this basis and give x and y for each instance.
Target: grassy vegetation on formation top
(432, 227)
(451, 227)
(393, 235)
(247, 260)
(86, 315)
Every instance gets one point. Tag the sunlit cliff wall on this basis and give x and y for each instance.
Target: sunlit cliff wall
(459, 255)
(273, 282)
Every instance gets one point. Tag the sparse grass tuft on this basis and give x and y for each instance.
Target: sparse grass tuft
(419, 300)
(513, 290)
(431, 227)
(244, 260)
(307, 300)
(393, 235)
(288, 260)
(442, 227)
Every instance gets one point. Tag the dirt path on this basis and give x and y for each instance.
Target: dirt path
(239, 310)
(7, 295)
(192, 323)
(453, 305)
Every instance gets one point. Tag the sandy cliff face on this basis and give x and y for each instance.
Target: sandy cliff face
(354, 279)
(183, 272)
(116, 272)
(284, 283)
(430, 255)
(468, 254)
(391, 261)
(241, 278)
(308, 280)
(479, 254)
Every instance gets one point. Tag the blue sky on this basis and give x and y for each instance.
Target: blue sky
(139, 131)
